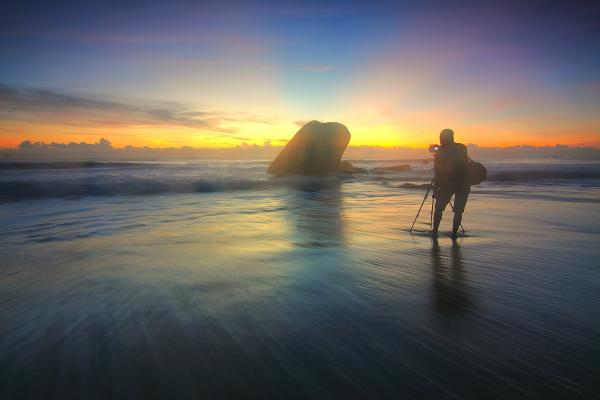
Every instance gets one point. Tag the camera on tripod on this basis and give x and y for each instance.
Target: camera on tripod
(434, 148)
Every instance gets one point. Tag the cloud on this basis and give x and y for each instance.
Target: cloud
(15, 99)
(102, 144)
(51, 106)
(103, 149)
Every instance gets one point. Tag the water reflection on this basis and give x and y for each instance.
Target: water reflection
(450, 292)
(314, 211)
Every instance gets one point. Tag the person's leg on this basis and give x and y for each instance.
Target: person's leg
(460, 202)
(437, 218)
(442, 200)
(456, 222)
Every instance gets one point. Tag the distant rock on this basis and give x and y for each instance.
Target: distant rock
(392, 169)
(347, 168)
(413, 186)
(316, 149)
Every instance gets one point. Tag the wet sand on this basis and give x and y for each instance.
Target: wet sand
(316, 293)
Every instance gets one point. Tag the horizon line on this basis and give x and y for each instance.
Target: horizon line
(106, 144)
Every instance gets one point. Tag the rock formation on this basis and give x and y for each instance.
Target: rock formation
(316, 149)
(347, 168)
(392, 169)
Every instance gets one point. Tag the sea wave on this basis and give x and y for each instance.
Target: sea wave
(17, 185)
(544, 175)
(23, 165)
(17, 190)
(514, 176)
(74, 164)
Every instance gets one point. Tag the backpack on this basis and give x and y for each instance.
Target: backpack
(476, 172)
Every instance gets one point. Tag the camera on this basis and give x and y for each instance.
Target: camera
(433, 148)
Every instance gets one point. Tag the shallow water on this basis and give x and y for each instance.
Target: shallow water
(297, 288)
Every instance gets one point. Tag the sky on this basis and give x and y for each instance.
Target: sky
(221, 74)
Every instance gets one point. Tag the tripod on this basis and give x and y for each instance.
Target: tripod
(423, 202)
(432, 203)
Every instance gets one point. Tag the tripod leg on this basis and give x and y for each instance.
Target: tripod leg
(423, 202)
(431, 214)
(418, 212)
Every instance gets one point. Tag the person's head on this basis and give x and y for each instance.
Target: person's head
(446, 137)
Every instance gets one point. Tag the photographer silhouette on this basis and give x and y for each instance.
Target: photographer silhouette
(451, 179)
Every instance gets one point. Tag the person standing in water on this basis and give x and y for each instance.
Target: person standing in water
(450, 168)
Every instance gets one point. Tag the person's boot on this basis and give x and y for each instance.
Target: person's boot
(456, 224)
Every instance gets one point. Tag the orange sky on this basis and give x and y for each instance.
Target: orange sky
(395, 75)
(363, 133)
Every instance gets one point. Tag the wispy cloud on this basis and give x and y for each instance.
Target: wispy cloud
(47, 105)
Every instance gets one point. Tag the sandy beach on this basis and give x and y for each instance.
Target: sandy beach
(314, 289)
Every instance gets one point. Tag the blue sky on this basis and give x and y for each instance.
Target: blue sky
(392, 71)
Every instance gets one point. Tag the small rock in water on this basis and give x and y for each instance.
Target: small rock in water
(392, 169)
(348, 168)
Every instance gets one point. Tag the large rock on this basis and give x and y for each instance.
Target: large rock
(316, 149)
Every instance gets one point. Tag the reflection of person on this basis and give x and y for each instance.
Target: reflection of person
(450, 294)
(450, 167)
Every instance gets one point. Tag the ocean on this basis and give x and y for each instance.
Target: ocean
(211, 279)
